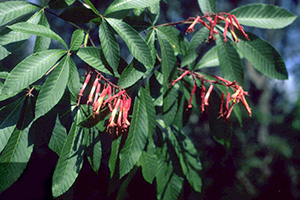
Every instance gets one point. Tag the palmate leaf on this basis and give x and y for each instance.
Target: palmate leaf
(263, 57)
(263, 16)
(91, 55)
(118, 5)
(8, 36)
(3, 52)
(136, 44)
(77, 39)
(137, 135)
(94, 149)
(230, 62)
(14, 9)
(42, 43)
(209, 59)
(70, 160)
(58, 137)
(53, 88)
(17, 152)
(207, 6)
(148, 162)
(29, 70)
(197, 39)
(9, 117)
(109, 45)
(35, 29)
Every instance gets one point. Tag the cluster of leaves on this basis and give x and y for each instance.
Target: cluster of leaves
(46, 84)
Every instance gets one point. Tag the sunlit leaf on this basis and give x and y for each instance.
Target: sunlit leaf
(14, 9)
(209, 59)
(35, 29)
(70, 160)
(133, 40)
(29, 70)
(264, 57)
(58, 137)
(77, 39)
(53, 88)
(207, 6)
(42, 43)
(74, 84)
(263, 16)
(131, 74)
(230, 62)
(118, 5)
(91, 55)
(114, 152)
(9, 116)
(137, 135)
(109, 46)
(3, 52)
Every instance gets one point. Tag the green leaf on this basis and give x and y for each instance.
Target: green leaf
(118, 5)
(148, 162)
(210, 59)
(94, 151)
(137, 135)
(70, 160)
(74, 84)
(9, 116)
(17, 152)
(207, 6)
(150, 40)
(42, 43)
(91, 6)
(173, 36)
(230, 62)
(109, 45)
(58, 137)
(136, 44)
(53, 88)
(114, 152)
(168, 183)
(131, 74)
(264, 57)
(77, 39)
(168, 58)
(263, 16)
(3, 52)
(197, 39)
(91, 55)
(188, 157)
(29, 70)
(35, 29)
(69, 2)
(14, 9)
(8, 36)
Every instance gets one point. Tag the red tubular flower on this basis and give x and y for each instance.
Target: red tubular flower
(98, 105)
(192, 94)
(208, 94)
(113, 97)
(127, 104)
(90, 99)
(181, 76)
(212, 28)
(221, 106)
(240, 27)
(191, 27)
(225, 30)
(202, 95)
(86, 81)
(113, 115)
(97, 94)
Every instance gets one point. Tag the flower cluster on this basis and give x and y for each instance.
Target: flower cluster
(104, 93)
(231, 99)
(213, 19)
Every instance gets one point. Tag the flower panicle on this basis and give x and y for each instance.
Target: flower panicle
(103, 94)
(228, 101)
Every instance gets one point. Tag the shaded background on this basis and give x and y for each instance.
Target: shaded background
(264, 156)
